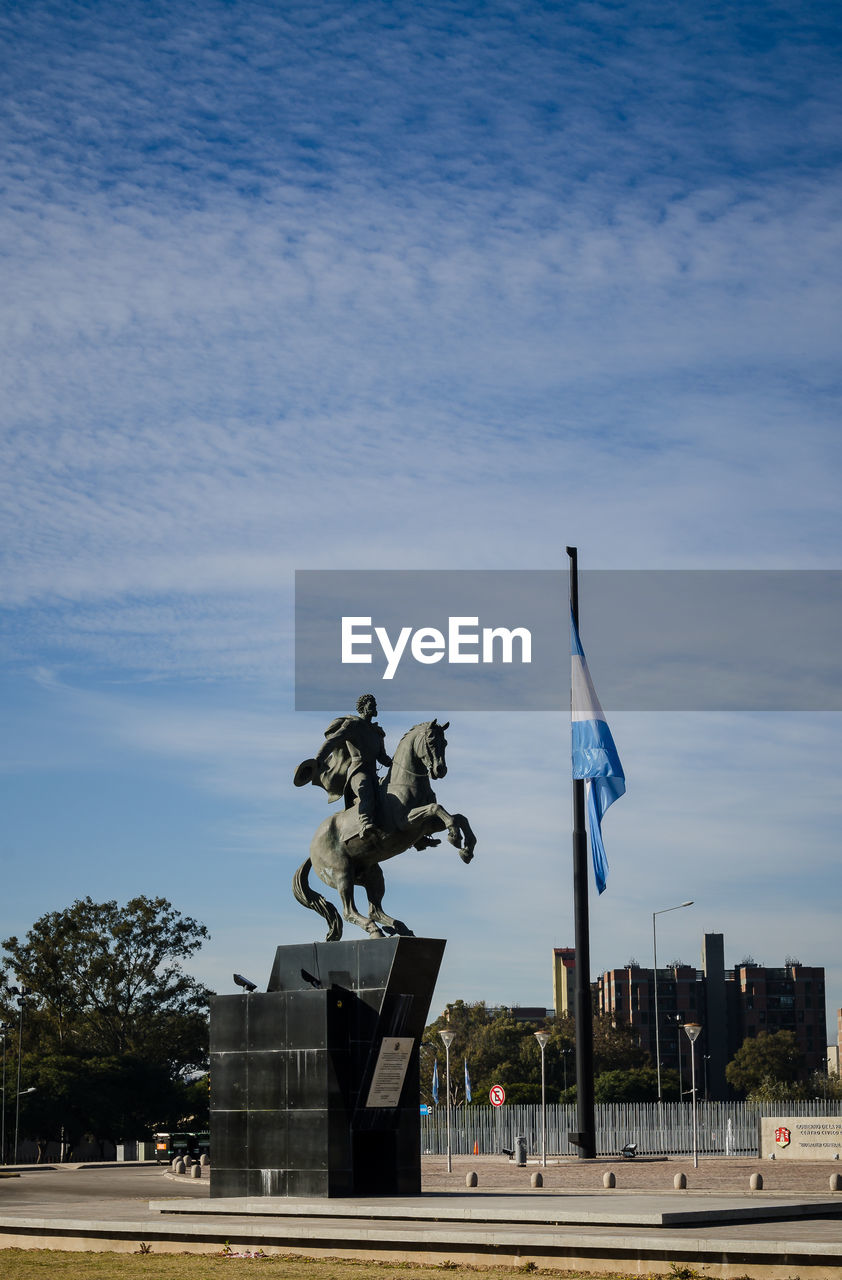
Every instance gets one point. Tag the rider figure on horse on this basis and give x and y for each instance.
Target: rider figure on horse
(346, 764)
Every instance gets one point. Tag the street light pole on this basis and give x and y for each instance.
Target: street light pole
(680, 1069)
(543, 1038)
(20, 992)
(4, 1029)
(655, 955)
(448, 1037)
(693, 1030)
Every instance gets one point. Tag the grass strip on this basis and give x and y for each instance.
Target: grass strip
(55, 1264)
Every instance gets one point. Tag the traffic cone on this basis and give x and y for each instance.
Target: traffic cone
(476, 1148)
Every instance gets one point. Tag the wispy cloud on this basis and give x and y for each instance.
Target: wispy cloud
(399, 286)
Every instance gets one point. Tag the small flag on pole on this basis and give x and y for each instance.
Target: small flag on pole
(436, 1081)
(467, 1083)
(594, 755)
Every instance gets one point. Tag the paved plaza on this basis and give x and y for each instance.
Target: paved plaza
(642, 1226)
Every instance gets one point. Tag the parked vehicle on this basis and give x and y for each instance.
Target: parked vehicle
(170, 1145)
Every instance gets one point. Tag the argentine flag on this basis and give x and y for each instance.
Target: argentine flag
(467, 1083)
(594, 755)
(435, 1090)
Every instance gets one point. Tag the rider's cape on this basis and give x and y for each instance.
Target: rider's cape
(333, 775)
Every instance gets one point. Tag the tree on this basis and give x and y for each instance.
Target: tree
(825, 1086)
(640, 1084)
(763, 1061)
(113, 1026)
(771, 1090)
(499, 1048)
(615, 1046)
(106, 978)
(502, 1049)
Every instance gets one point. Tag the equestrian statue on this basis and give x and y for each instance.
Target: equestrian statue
(382, 816)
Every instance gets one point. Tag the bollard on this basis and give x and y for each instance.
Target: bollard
(536, 1180)
(755, 1182)
(836, 1182)
(179, 1166)
(188, 1161)
(609, 1180)
(471, 1179)
(205, 1159)
(680, 1181)
(195, 1171)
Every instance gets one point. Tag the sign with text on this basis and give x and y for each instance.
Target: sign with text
(801, 1137)
(390, 1072)
(497, 1094)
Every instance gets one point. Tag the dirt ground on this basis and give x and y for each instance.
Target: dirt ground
(717, 1174)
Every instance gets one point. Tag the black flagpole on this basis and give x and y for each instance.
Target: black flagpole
(585, 1137)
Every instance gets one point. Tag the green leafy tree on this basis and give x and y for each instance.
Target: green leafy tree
(640, 1084)
(495, 1044)
(615, 1048)
(825, 1086)
(502, 1049)
(106, 1099)
(113, 1026)
(765, 1060)
(57, 1109)
(771, 1090)
(107, 978)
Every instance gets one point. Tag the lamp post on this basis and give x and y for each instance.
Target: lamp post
(5, 1027)
(694, 1030)
(680, 1071)
(21, 993)
(655, 954)
(448, 1038)
(543, 1038)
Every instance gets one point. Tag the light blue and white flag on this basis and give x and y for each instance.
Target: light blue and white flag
(467, 1083)
(594, 755)
(436, 1082)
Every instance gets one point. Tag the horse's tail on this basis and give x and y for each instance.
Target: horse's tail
(309, 898)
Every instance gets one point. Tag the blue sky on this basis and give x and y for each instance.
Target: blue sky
(402, 285)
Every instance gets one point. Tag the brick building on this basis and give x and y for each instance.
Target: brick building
(731, 1005)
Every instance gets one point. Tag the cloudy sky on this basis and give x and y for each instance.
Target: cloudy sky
(399, 285)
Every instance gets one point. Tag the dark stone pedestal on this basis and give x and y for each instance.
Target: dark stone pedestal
(292, 1070)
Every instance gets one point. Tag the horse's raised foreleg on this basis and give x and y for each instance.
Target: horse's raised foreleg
(375, 886)
(469, 840)
(434, 817)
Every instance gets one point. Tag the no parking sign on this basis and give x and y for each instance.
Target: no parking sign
(497, 1094)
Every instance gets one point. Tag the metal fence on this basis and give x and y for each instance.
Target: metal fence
(724, 1128)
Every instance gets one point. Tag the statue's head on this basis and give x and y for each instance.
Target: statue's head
(367, 705)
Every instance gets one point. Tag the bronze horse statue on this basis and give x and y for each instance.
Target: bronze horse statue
(408, 815)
